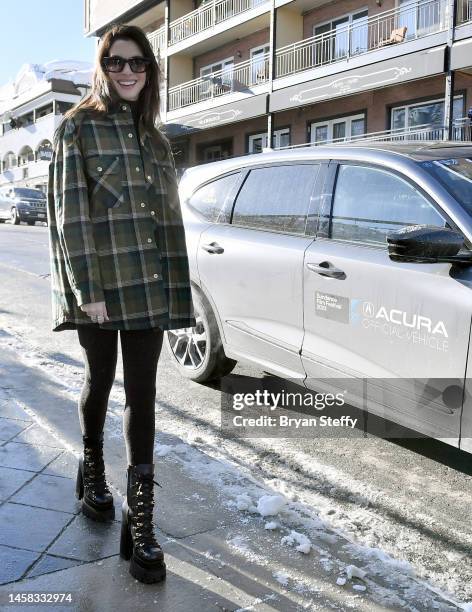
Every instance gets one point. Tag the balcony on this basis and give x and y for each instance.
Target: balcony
(464, 11)
(240, 77)
(393, 27)
(158, 41)
(208, 15)
(461, 132)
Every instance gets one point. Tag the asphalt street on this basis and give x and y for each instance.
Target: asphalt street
(410, 500)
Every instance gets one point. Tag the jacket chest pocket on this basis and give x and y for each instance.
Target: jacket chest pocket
(104, 176)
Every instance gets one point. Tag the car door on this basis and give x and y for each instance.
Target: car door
(5, 203)
(251, 267)
(398, 331)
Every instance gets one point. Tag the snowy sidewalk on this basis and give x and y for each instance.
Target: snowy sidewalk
(219, 556)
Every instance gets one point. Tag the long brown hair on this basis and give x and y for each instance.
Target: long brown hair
(103, 93)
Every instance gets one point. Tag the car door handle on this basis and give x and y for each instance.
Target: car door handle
(325, 268)
(213, 247)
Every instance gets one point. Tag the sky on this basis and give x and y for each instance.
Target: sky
(38, 31)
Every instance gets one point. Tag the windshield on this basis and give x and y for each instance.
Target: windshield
(455, 175)
(33, 194)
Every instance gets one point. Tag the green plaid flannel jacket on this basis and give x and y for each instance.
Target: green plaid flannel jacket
(115, 226)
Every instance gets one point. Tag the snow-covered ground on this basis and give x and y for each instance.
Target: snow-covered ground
(339, 524)
(377, 520)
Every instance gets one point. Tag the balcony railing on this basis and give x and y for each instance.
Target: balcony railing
(414, 20)
(233, 78)
(461, 131)
(464, 11)
(208, 15)
(158, 40)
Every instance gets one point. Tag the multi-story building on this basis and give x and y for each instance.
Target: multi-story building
(31, 107)
(239, 74)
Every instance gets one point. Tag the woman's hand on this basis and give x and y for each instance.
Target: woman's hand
(97, 311)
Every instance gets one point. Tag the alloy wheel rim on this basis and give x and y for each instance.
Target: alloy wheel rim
(189, 344)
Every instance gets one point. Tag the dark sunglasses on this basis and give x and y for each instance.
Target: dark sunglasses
(116, 63)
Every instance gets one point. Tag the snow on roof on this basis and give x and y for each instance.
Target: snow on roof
(29, 75)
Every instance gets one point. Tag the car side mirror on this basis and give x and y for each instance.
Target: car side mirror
(426, 244)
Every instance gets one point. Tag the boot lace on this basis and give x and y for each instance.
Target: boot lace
(94, 467)
(143, 511)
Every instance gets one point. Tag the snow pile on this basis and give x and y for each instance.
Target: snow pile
(79, 73)
(244, 502)
(269, 505)
(294, 537)
(355, 572)
(271, 525)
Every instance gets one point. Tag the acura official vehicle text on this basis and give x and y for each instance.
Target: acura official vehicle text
(347, 262)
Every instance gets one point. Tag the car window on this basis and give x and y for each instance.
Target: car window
(455, 174)
(369, 203)
(276, 198)
(210, 199)
(33, 194)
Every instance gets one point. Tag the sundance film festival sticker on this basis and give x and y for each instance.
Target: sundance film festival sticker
(334, 407)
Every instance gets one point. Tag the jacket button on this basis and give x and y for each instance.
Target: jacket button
(143, 204)
(124, 107)
(152, 212)
(149, 239)
(99, 168)
(156, 275)
(130, 135)
(149, 178)
(137, 168)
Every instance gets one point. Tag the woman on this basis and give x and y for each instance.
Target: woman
(119, 262)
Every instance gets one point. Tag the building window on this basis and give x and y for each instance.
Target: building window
(260, 64)
(26, 155)
(410, 116)
(344, 128)
(257, 142)
(9, 161)
(422, 18)
(44, 151)
(43, 111)
(214, 151)
(349, 36)
(62, 107)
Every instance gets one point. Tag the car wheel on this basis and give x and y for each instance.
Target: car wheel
(2, 220)
(31, 222)
(197, 351)
(14, 216)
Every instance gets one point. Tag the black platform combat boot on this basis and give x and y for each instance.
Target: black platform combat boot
(137, 530)
(91, 486)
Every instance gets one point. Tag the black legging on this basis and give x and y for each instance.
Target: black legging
(140, 351)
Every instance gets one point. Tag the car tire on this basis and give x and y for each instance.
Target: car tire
(197, 352)
(14, 216)
(31, 222)
(2, 220)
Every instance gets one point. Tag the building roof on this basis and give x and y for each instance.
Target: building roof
(63, 76)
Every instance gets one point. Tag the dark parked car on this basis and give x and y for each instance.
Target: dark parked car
(22, 204)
